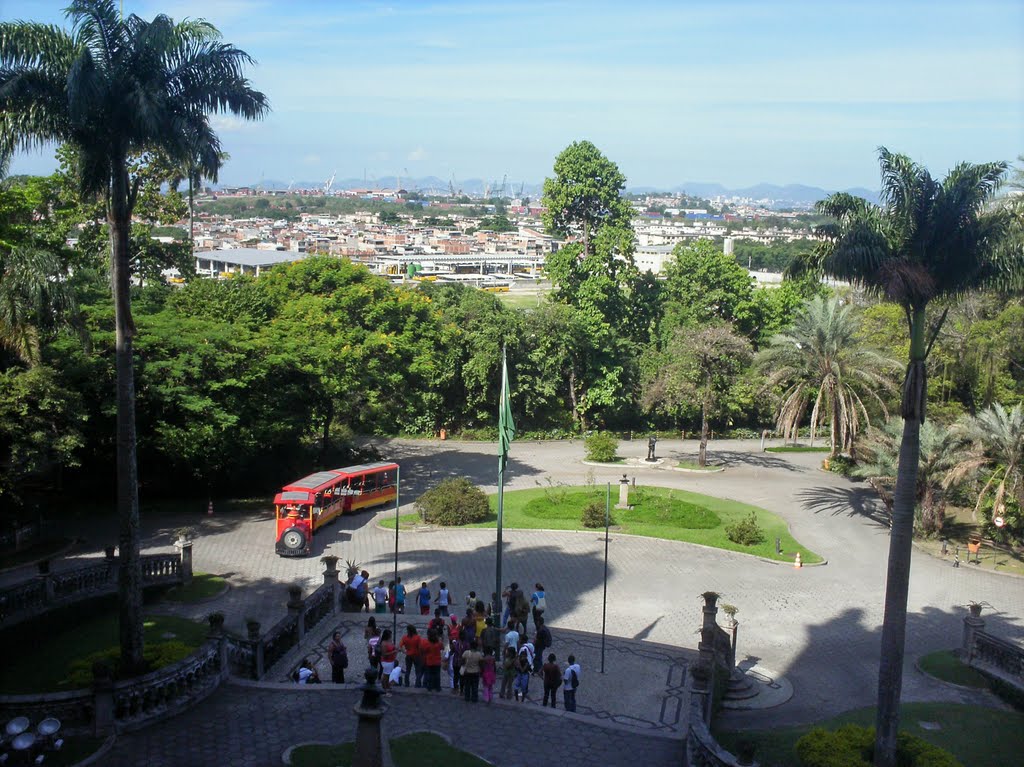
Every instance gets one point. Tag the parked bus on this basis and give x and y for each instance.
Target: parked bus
(305, 506)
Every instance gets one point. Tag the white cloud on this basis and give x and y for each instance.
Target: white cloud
(230, 124)
(417, 154)
(311, 159)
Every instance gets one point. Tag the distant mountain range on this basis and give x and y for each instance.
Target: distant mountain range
(795, 193)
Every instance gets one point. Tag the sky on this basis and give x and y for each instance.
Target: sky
(734, 92)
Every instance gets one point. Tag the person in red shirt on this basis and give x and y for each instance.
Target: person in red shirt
(431, 652)
(552, 673)
(411, 645)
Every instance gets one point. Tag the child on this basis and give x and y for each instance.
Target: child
(395, 678)
(508, 673)
(488, 674)
(524, 665)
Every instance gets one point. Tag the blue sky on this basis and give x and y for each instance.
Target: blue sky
(735, 92)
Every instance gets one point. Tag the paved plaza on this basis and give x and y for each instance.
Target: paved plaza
(818, 626)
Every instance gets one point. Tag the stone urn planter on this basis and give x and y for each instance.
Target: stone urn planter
(252, 628)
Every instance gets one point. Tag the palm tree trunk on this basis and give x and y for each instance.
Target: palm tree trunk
(191, 218)
(130, 565)
(897, 585)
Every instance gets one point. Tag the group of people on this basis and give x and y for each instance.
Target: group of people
(474, 653)
(385, 598)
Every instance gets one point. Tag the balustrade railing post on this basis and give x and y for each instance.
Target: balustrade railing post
(296, 608)
(972, 625)
(258, 658)
(184, 547)
(49, 587)
(103, 716)
(331, 580)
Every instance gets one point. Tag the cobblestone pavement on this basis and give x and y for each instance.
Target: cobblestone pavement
(817, 626)
(643, 687)
(251, 726)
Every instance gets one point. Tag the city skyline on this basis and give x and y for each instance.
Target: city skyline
(737, 94)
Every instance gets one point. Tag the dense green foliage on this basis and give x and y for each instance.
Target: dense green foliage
(601, 447)
(595, 515)
(852, 746)
(454, 501)
(746, 532)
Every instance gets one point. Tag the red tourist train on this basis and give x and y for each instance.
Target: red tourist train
(304, 506)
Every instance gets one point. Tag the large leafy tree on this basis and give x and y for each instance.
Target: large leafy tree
(929, 239)
(585, 194)
(821, 364)
(115, 87)
(702, 365)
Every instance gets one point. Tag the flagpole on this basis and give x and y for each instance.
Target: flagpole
(398, 493)
(506, 432)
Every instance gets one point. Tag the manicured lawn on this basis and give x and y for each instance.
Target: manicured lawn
(45, 664)
(658, 512)
(203, 586)
(420, 748)
(977, 736)
(946, 666)
(796, 449)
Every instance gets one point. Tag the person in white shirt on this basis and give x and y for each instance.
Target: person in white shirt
(511, 638)
(380, 598)
(570, 681)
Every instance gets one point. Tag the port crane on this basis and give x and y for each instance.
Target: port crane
(330, 183)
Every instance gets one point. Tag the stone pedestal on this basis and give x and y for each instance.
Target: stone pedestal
(185, 552)
(972, 625)
(331, 580)
(296, 606)
(623, 493)
(369, 750)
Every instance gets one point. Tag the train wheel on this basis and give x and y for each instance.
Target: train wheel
(293, 539)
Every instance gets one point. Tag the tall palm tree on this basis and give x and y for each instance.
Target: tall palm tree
(822, 364)
(997, 438)
(114, 87)
(941, 451)
(927, 240)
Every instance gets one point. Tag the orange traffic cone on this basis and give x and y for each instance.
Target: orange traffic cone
(209, 509)
(796, 562)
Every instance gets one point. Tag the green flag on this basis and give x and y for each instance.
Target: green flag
(506, 429)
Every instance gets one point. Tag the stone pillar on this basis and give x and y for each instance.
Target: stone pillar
(47, 581)
(296, 607)
(369, 740)
(331, 580)
(103, 714)
(972, 625)
(623, 493)
(184, 547)
(112, 564)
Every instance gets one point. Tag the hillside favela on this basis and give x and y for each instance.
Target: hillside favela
(462, 384)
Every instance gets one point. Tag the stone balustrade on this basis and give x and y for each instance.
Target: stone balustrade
(48, 590)
(164, 692)
(128, 704)
(990, 654)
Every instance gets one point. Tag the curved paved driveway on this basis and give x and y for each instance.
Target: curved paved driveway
(818, 626)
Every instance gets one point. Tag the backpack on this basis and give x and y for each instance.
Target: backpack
(543, 639)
